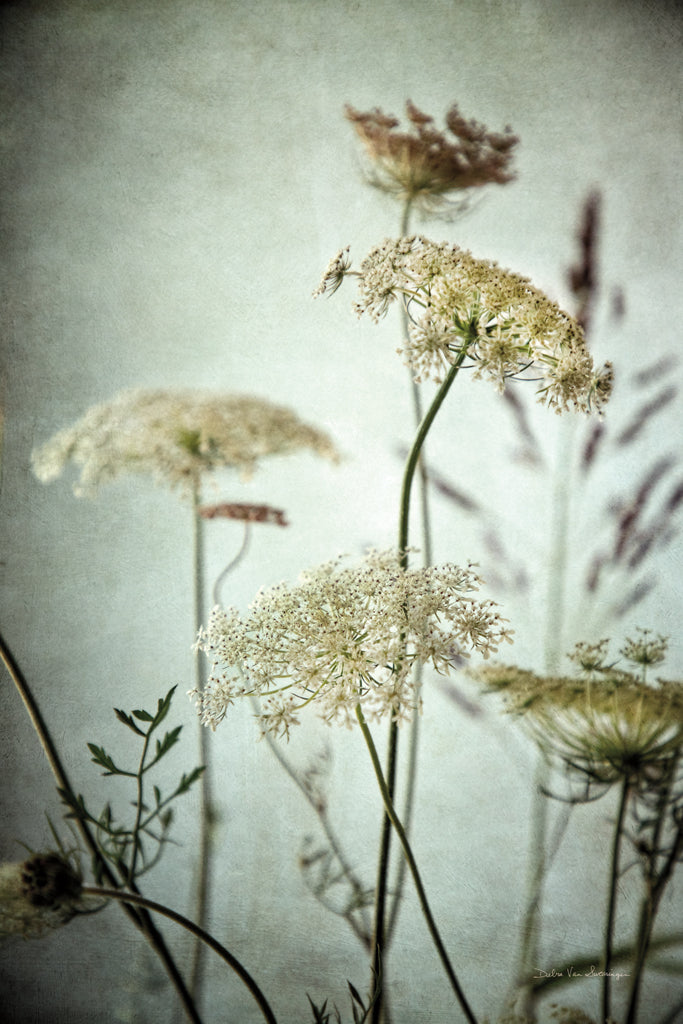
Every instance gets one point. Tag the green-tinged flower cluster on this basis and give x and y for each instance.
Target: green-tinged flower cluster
(607, 723)
(176, 436)
(463, 308)
(37, 895)
(343, 637)
(427, 166)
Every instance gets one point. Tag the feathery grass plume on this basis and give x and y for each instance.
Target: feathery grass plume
(455, 303)
(176, 436)
(38, 895)
(430, 167)
(343, 637)
(607, 723)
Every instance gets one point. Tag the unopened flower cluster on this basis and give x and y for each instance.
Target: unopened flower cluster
(37, 895)
(425, 165)
(176, 436)
(606, 723)
(470, 311)
(345, 636)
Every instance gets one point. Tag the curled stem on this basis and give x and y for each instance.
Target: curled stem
(412, 864)
(140, 918)
(200, 934)
(232, 564)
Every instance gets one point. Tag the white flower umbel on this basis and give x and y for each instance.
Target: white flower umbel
(176, 436)
(345, 637)
(462, 308)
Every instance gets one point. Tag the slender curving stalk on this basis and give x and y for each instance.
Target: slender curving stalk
(140, 918)
(414, 741)
(412, 864)
(207, 806)
(412, 462)
(414, 454)
(232, 564)
(612, 896)
(200, 934)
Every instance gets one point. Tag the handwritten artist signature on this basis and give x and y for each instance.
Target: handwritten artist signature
(570, 972)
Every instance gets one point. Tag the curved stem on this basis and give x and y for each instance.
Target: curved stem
(200, 933)
(414, 454)
(412, 864)
(612, 897)
(411, 772)
(207, 808)
(224, 573)
(412, 463)
(140, 918)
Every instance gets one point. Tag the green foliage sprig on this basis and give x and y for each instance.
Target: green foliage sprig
(122, 845)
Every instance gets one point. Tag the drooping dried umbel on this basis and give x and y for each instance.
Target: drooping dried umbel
(432, 168)
(608, 724)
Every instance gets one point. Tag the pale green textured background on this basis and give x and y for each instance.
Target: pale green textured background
(176, 176)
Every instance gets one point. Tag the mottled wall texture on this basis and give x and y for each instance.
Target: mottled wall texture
(176, 176)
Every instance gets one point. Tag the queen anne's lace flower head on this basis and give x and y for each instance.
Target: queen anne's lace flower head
(467, 310)
(607, 724)
(428, 166)
(343, 637)
(177, 436)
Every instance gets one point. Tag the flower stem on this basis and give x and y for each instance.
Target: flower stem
(655, 883)
(411, 773)
(138, 812)
(200, 933)
(414, 454)
(379, 935)
(612, 896)
(207, 807)
(412, 864)
(412, 463)
(140, 918)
